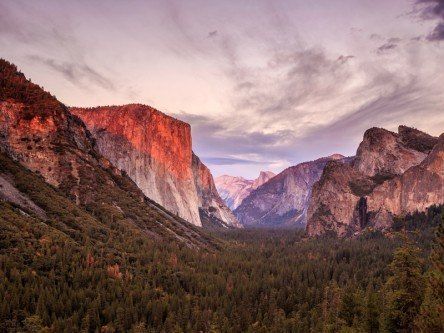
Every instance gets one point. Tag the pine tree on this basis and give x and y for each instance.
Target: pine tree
(431, 318)
(33, 324)
(403, 290)
(371, 311)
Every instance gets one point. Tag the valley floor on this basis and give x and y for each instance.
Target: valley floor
(257, 281)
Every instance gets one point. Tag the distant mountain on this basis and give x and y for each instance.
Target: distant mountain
(233, 190)
(40, 133)
(283, 200)
(155, 152)
(393, 174)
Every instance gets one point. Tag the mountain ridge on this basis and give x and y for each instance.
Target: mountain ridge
(392, 174)
(155, 150)
(42, 135)
(282, 201)
(234, 189)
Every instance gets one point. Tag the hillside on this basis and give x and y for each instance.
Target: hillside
(39, 132)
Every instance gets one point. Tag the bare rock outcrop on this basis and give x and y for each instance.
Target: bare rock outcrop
(155, 150)
(392, 174)
(233, 190)
(283, 200)
(40, 136)
(211, 206)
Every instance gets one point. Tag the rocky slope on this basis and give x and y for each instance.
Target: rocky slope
(392, 174)
(155, 151)
(212, 209)
(42, 135)
(283, 200)
(233, 190)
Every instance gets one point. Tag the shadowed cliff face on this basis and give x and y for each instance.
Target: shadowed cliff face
(392, 174)
(283, 200)
(155, 151)
(211, 206)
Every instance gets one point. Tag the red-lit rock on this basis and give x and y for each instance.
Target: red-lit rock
(155, 150)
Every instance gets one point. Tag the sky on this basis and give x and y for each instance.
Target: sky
(265, 84)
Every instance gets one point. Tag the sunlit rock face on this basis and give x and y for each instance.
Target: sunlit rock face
(283, 200)
(50, 142)
(392, 174)
(233, 190)
(155, 150)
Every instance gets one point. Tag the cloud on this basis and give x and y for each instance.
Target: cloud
(437, 33)
(386, 47)
(231, 161)
(266, 86)
(433, 10)
(30, 26)
(212, 34)
(390, 44)
(343, 59)
(290, 105)
(377, 37)
(76, 73)
(288, 99)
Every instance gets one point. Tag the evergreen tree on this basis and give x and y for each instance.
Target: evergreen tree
(431, 318)
(403, 290)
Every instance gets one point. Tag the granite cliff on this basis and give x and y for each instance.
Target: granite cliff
(44, 137)
(392, 174)
(283, 200)
(233, 190)
(155, 150)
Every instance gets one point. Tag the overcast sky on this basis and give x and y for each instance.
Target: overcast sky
(264, 84)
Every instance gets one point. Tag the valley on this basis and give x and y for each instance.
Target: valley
(109, 222)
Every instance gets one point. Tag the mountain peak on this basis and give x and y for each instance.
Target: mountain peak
(283, 199)
(263, 177)
(416, 139)
(336, 156)
(392, 174)
(234, 189)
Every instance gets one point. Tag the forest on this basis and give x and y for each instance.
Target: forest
(253, 281)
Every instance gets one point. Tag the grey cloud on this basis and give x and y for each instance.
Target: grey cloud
(76, 73)
(386, 47)
(437, 33)
(303, 76)
(221, 136)
(24, 23)
(308, 76)
(394, 40)
(343, 59)
(390, 44)
(430, 10)
(405, 102)
(376, 37)
(212, 34)
(230, 161)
